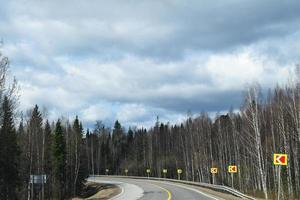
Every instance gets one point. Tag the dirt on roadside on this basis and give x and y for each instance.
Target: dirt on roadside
(97, 191)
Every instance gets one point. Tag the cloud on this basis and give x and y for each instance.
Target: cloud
(96, 112)
(166, 29)
(134, 88)
(134, 60)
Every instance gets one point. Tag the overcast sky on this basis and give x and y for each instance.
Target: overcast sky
(135, 59)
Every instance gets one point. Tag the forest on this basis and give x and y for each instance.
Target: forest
(266, 123)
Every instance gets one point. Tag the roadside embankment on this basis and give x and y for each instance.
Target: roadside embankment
(97, 191)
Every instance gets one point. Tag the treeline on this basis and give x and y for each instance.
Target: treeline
(56, 150)
(38, 159)
(247, 138)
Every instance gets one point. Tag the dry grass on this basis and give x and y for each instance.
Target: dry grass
(96, 191)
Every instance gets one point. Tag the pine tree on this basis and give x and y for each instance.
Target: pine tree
(117, 146)
(59, 160)
(80, 169)
(48, 158)
(9, 154)
(37, 147)
(24, 161)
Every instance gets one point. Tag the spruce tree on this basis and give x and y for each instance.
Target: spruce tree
(117, 146)
(48, 158)
(80, 169)
(9, 154)
(59, 156)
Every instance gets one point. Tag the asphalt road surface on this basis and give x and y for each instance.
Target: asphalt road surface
(133, 189)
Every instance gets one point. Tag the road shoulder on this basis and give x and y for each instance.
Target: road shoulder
(103, 192)
(219, 195)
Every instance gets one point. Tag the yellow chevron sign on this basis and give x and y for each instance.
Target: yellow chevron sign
(280, 159)
(214, 170)
(232, 169)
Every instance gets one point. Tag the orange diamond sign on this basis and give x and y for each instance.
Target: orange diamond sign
(232, 169)
(280, 159)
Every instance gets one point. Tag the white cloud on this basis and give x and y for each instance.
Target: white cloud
(136, 60)
(130, 112)
(133, 89)
(96, 112)
(234, 71)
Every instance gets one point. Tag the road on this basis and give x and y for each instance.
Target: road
(133, 189)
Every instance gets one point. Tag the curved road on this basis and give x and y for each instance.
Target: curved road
(133, 189)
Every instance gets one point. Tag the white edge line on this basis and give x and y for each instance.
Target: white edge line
(116, 184)
(190, 189)
(122, 191)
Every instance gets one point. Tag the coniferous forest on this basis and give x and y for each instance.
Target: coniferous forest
(66, 152)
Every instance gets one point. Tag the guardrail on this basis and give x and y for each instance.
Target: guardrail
(220, 188)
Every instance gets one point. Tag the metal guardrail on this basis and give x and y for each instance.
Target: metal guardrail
(220, 188)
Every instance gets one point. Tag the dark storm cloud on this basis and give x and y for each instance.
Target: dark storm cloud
(213, 102)
(159, 29)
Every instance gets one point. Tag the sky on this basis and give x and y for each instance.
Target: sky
(134, 60)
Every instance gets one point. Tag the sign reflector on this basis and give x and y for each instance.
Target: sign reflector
(232, 169)
(214, 170)
(148, 171)
(126, 171)
(280, 159)
(165, 171)
(179, 171)
(107, 170)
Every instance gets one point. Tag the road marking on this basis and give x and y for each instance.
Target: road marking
(129, 191)
(192, 189)
(119, 195)
(164, 189)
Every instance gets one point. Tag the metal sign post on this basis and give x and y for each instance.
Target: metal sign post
(279, 160)
(279, 181)
(213, 171)
(179, 172)
(165, 171)
(232, 169)
(148, 172)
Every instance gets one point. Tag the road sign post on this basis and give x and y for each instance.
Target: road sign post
(232, 169)
(279, 160)
(148, 172)
(106, 171)
(126, 172)
(165, 171)
(213, 171)
(179, 172)
(279, 181)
